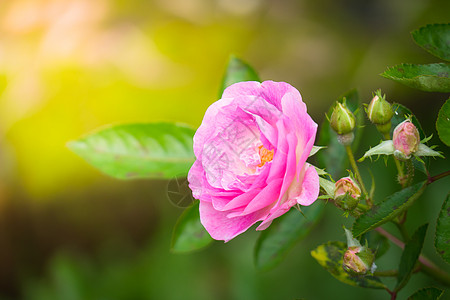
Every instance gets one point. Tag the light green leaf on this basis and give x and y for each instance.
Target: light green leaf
(428, 78)
(435, 38)
(328, 186)
(384, 148)
(443, 123)
(189, 234)
(442, 241)
(237, 71)
(330, 256)
(430, 293)
(410, 256)
(385, 211)
(334, 157)
(424, 150)
(156, 150)
(275, 242)
(315, 149)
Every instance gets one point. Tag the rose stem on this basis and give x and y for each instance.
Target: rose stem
(426, 265)
(437, 177)
(401, 175)
(351, 158)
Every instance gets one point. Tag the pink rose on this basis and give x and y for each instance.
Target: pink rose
(406, 138)
(251, 151)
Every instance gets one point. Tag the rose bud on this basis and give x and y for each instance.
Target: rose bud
(380, 112)
(406, 140)
(342, 120)
(347, 193)
(359, 260)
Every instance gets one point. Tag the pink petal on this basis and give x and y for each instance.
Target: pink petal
(220, 227)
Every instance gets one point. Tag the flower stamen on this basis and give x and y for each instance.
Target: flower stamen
(266, 155)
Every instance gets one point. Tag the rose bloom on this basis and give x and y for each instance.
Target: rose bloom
(251, 151)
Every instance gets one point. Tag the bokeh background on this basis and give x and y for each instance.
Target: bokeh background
(68, 67)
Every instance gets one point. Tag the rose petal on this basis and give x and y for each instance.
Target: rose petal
(220, 227)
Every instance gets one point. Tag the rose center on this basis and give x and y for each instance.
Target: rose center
(266, 155)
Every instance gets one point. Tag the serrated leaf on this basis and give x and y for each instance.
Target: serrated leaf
(442, 241)
(435, 38)
(237, 71)
(430, 293)
(334, 157)
(377, 242)
(443, 123)
(410, 256)
(385, 211)
(401, 113)
(330, 256)
(189, 234)
(155, 150)
(428, 78)
(275, 242)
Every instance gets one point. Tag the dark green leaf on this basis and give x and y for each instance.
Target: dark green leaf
(237, 71)
(428, 78)
(442, 241)
(385, 211)
(443, 123)
(189, 234)
(334, 157)
(330, 256)
(401, 113)
(377, 242)
(410, 256)
(435, 38)
(157, 150)
(430, 293)
(275, 242)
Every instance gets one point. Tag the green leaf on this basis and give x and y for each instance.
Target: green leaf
(410, 256)
(435, 38)
(330, 256)
(157, 150)
(189, 234)
(428, 78)
(275, 242)
(334, 157)
(442, 241)
(430, 293)
(401, 113)
(237, 71)
(443, 123)
(391, 207)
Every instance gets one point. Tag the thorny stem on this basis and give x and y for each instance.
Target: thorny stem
(437, 177)
(425, 265)
(351, 158)
(401, 174)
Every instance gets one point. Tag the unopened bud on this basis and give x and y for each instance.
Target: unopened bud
(342, 120)
(406, 139)
(346, 193)
(380, 112)
(359, 260)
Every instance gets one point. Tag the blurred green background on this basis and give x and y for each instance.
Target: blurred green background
(68, 67)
